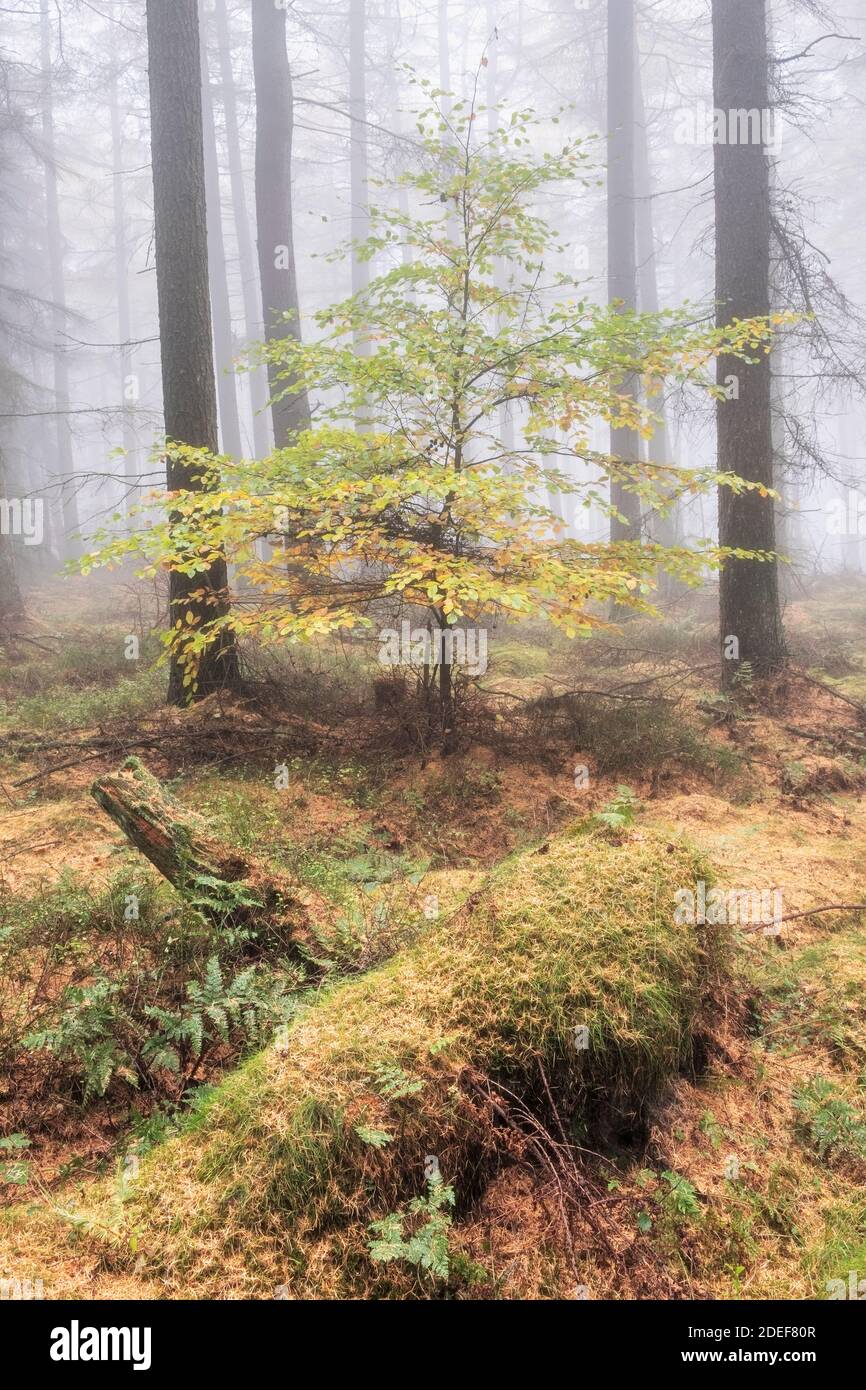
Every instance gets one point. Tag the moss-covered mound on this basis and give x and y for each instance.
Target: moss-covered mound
(275, 1185)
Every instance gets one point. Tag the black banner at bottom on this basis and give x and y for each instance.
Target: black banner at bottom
(82, 1340)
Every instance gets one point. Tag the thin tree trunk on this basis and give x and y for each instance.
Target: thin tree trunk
(621, 266)
(128, 391)
(36, 442)
(506, 422)
(848, 450)
(749, 589)
(189, 392)
(358, 189)
(11, 605)
(455, 230)
(221, 311)
(274, 127)
(784, 479)
(399, 125)
(257, 376)
(665, 529)
(63, 437)
(447, 705)
(444, 43)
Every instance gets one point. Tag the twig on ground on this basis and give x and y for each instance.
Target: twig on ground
(831, 690)
(810, 912)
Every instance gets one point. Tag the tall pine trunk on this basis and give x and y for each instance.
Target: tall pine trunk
(505, 419)
(189, 392)
(229, 419)
(128, 393)
(443, 39)
(274, 129)
(750, 614)
(665, 529)
(360, 221)
(358, 166)
(249, 273)
(621, 262)
(63, 435)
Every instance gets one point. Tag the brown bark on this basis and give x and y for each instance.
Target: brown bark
(748, 589)
(179, 844)
(189, 390)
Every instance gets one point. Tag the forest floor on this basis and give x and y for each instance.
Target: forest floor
(769, 787)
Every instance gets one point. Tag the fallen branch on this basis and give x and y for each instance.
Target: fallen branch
(810, 912)
(229, 886)
(569, 695)
(838, 738)
(831, 690)
(88, 749)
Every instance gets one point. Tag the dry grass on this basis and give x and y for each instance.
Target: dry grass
(273, 1185)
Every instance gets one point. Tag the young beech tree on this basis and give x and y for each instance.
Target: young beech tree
(427, 505)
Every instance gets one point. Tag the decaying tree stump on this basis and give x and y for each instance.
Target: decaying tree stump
(178, 843)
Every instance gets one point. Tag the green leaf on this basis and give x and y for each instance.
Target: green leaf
(378, 1138)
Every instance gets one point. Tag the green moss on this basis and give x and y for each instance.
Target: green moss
(578, 934)
(518, 658)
